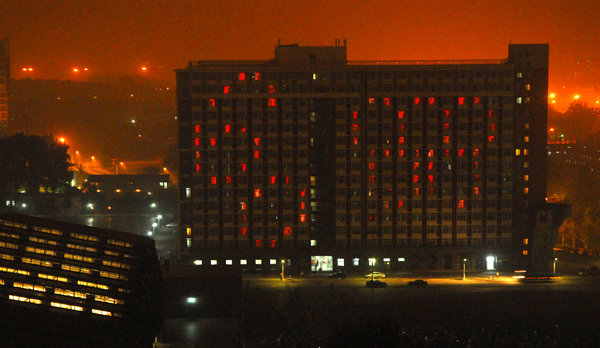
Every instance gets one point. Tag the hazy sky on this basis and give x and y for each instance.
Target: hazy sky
(108, 36)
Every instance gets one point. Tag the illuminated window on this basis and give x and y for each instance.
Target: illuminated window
(213, 262)
(525, 177)
(101, 312)
(386, 101)
(213, 180)
(371, 101)
(229, 262)
(430, 165)
(415, 165)
(24, 299)
(302, 205)
(226, 89)
(475, 100)
(519, 100)
(50, 277)
(461, 152)
(447, 113)
(525, 190)
(371, 179)
(526, 139)
(256, 154)
(213, 141)
(197, 129)
(69, 293)
(386, 153)
(517, 152)
(461, 203)
(430, 178)
(273, 180)
(302, 217)
(354, 114)
(461, 100)
(417, 101)
(526, 126)
(355, 127)
(525, 152)
(525, 241)
(475, 152)
(66, 306)
(29, 286)
(476, 190)
(243, 231)
(400, 153)
(371, 166)
(257, 193)
(256, 76)
(243, 262)
(271, 89)
(431, 100)
(272, 102)
(446, 139)
(525, 252)
(355, 140)
(272, 261)
(401, 140)
(227, 128)
(197, 167)
(400, 204)
(287, 231)
(228, 180)
(258, 261)
(243, 167)
(491, 138)
(430, 153)
(527, 87)
(400, 114)
(211, 103)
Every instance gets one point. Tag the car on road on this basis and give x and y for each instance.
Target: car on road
(375, 284)
(337, 275)
(418, 283)
(375, 275)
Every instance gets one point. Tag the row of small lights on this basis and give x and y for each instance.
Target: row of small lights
(575, 97)
(76, 69)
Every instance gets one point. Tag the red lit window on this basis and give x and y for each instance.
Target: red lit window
(197, 141)
(417, 152)
(371, 100)
(372, 152)
(257, 141)
(476, 177)
(302, 205)
(386, 101)
(213, 141)
(447, 113)
(400, 153)
(371, 166)
(476, 165)
(271, 89)
(401, 127)
(430, 166)
(243, 231)
(430, 153)
(354, 127)
(211, 103)
(273, 243)
(431, 100)
(415, 165)
(243, 129)
(417, 101)
(475, 152)
(490, 113)
(491, 139)
(475, 100)
(258, 243)
(415, 178)
(302, 217)
(213, 180)
(287, 231)
(446, 125)
(416, 191)
(354, 114)
(257, 193)
(461, 100)
(228, 180)
(476, 190)
(197, 167)
(461, 203)
(243, 167)
(226, 89)
(227, 128)
(400, 204)
(243, 205)
(257, 154)
(461, 152)
(355, 140)
(372, 179)
(197, 154)
(400, 114)
(430, 178)
(272, 102)
(303, 193)
(256, 76)
(386, 153)
(447, 152)
(273, 180)
(401, 140)
(241, 76)
(446, 139)
(197, 128)
(287, 179)
(492, 127)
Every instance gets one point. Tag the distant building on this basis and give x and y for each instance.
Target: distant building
(4, 78)
(63, 284)
(328, 163)
(127, 183)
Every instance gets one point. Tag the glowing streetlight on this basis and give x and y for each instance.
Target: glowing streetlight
(75, 70)
(576, 97)
(464, 269)
(61, 140)
(554, 266)
(282, 269)
(144, 68)
(552, 95)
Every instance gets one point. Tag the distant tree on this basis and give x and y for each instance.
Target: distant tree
(567, 232)
(590, 226)
(31, 163)
(579, 122)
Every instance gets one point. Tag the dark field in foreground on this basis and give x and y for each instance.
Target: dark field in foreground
(543, 315)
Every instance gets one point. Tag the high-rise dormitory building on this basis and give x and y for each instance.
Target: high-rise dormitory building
(326, 162)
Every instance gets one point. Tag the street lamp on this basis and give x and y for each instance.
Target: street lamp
(282, 269)
(464, 269)
(554, 265)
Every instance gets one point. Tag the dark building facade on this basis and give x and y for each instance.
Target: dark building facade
(64, 285)
(328, 163)
(4, 78)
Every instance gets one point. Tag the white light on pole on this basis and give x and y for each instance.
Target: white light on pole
(554, 265)
(282, 269)
(464, 269)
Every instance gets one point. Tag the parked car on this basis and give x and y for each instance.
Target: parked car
(418, 283)
(375, 275)
(375, 284)
(337, 275)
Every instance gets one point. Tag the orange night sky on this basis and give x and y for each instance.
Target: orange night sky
(110, 36)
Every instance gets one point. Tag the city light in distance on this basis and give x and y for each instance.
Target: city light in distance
(576, 96)
(552, 95)
(28, 69)
(144, 68)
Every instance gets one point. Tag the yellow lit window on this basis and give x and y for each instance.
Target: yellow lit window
(47, 230)
(188, 231)
(1, 282)
(525, 241)
(517, 152)
(81, 247)
(119, 243)
(29, 286)
(111, 253)
(36, 262)
(8, 245)
(7, 257)
(42, 240)
(525, 190)
(24, 299)
(526, 139)
(102, 298)
(9, 235)
(100, 312)
(92, 285)
(78, 257)
(40, 251)
(527, 87)
(526, 126)
(51, 277)
(525, 252)
(84, 237)
(73, 268)
(12, 270)
(112, 275)
(66, 306)
(525, 152)
(525, 164)
(525, 177)
(115, 264)
(69, 293)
